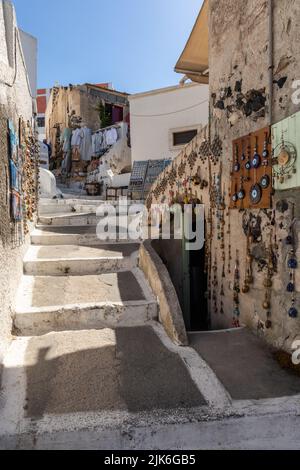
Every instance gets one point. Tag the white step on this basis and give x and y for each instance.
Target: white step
(58, 303)
(73, 235)
(75, 219)
(59, 260)
(66, 219)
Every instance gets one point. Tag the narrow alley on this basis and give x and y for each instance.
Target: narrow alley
(150, 227)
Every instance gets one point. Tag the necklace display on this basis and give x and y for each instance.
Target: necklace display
(216, 150)
(229, 240)
(208, 248)
(268, 283)
(248, 271)
(236, 293)
(215, 284)
(292, 266)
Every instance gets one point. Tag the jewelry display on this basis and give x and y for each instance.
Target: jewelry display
(236, 293)
(292, 266)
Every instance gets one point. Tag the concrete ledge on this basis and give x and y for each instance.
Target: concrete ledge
(158, 277)
(40, 321)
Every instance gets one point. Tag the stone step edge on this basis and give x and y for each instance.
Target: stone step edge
(82, 306)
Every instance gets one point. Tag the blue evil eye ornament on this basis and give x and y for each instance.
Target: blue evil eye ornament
(256, 161)
(289, 240)
(265, 181)
(290, 287)
(292, 263)
(235, 198)
(248, 165)
(265, 153)
(293, 312)
(241, 194)
(237, 167)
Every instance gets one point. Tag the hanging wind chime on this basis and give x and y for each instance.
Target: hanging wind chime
(292, 266)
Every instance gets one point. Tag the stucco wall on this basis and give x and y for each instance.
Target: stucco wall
(153, 115)
(15, 99)
(239, 52)
(29, 47)
(239, 57)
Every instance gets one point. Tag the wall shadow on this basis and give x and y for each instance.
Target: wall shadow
(137, 374)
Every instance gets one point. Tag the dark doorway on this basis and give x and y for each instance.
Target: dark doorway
(187, 272)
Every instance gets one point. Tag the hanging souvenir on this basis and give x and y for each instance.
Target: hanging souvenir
(265, 181)
(236, 166)
(292, 266)
(255, 194)
(284, 160)
(248, 272)
(256, 160)
(268, 283)
(236, 292)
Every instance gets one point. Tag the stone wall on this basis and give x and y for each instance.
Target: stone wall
(15, 102)
(239, 58)
(239, 103)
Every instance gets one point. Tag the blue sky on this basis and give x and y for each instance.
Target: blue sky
(132, 43)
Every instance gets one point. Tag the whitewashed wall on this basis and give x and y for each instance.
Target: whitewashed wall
(15, 97)
(155, 114)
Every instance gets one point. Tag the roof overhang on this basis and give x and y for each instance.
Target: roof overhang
(193, 61)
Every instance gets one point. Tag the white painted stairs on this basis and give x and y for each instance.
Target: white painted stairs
(74, 281)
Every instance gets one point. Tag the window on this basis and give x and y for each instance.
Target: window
(41, 122)
(184, 137)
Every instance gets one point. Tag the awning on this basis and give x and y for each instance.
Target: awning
(193, 61)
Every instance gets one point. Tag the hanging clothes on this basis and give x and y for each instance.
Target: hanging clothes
(14, 140)
(97, 141)
(66, 143)
(86, 144)
(111, 136)
(66, 140)
(76, 137)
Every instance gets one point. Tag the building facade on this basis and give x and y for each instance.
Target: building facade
(17, 156)
(163, 121)
(43, 95)
(244, 165)
(84, 104)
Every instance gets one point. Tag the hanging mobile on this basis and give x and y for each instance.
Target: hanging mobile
(235, 197)
(256, 160)
(241, 193)
(248, 162)
(292, 265)
(236, 292)
(236, 166)
(243, 156)
(266, 152)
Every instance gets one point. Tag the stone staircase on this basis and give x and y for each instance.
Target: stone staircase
(74, 281)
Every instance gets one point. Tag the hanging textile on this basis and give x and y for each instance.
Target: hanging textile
(16, 206)
(13, 139)
(66, 147)
(86, 144)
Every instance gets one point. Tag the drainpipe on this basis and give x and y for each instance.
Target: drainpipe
(271, 64)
